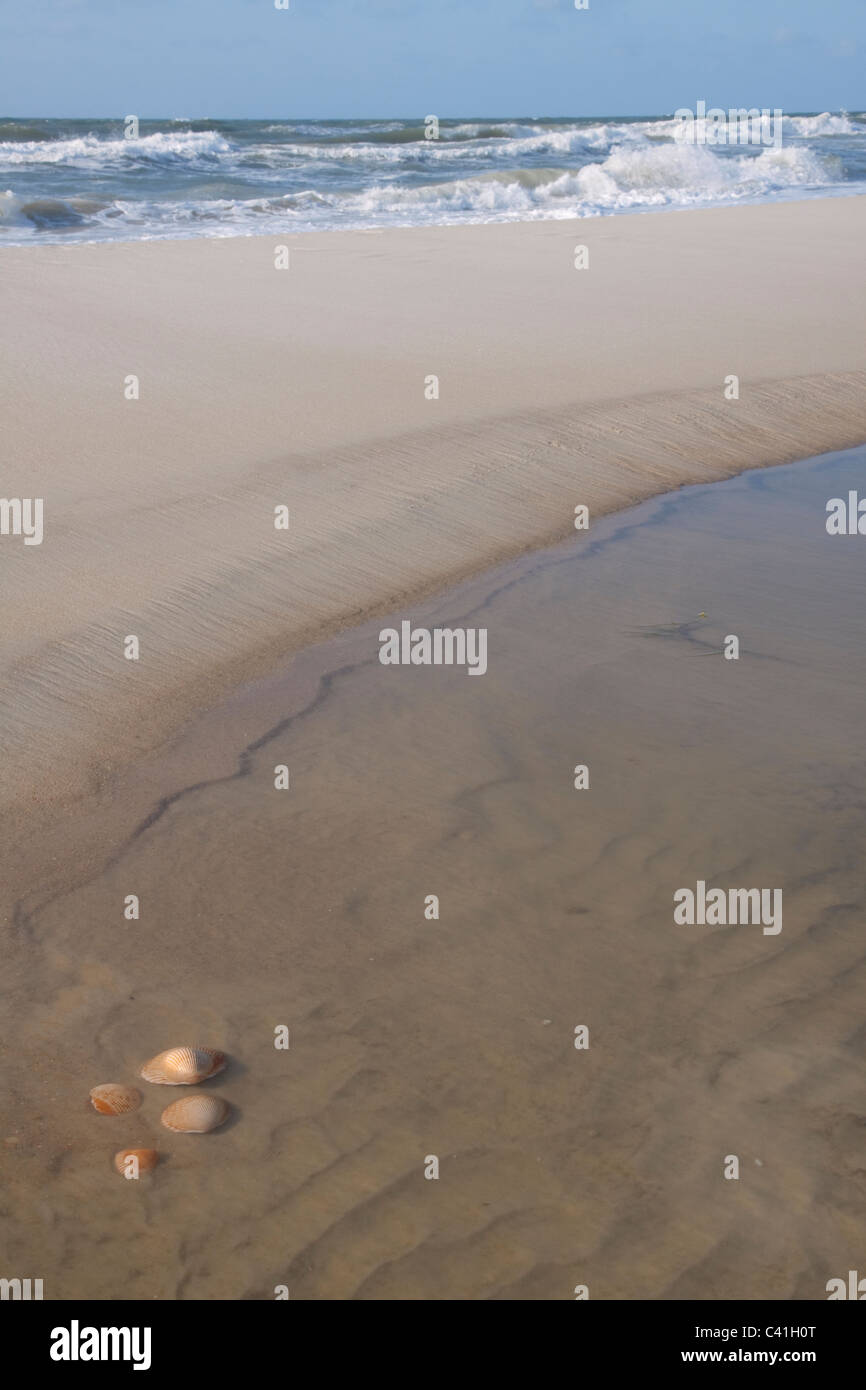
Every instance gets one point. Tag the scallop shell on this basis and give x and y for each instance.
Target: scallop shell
(147, 1159)
(113, 1099)
(195, 1114)
(183, 1066)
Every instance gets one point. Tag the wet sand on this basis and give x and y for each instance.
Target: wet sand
(305, 388)
(454, 1037)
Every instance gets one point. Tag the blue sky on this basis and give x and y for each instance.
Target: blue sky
(449, 57)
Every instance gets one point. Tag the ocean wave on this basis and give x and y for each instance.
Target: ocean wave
(812, 127)
(393, 144)
(628, 179)
(487, 145)
(49, 213)
(82, 181)
(94, 151)
(276, 146)
(17, 131)
(662, 174)
(347, 129)
(656, 176)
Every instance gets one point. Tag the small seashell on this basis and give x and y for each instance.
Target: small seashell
(145, 1159)
(195, 1114)
(183, 1066)
(113, 1099)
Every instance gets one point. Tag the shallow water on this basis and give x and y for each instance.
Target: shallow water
(454, 1038)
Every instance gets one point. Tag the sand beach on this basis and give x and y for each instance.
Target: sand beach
(305, 388)
(309, 388)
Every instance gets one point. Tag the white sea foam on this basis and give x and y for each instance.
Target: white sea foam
(825, 124)
(96, 152)
(81, 180)
(654, 176)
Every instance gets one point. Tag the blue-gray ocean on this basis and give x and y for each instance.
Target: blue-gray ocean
(85, 180)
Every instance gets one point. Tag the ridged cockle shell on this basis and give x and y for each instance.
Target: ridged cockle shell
(195, 1114)
(114, 1099)
(145, 1159)
(183, 1066)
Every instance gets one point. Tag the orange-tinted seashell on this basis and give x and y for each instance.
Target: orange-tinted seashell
(183, 1066)
(196, 1114)
(114, 1099)
(145, 1160)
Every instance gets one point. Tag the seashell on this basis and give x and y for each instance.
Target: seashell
(113, 1099)
(183, 1066)
(195, 1114)
(146, 1159)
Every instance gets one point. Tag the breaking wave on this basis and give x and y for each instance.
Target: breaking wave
(85, 181)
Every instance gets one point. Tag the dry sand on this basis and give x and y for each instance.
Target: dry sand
(305, 387)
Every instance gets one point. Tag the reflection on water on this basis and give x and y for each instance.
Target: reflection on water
(414, 1036)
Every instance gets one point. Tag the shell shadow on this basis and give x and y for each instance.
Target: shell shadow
(230, 1073)
(235, 1116)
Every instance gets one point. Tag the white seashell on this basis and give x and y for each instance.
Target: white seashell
(195, 1114)
(183, 1066)
(114, 1099)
